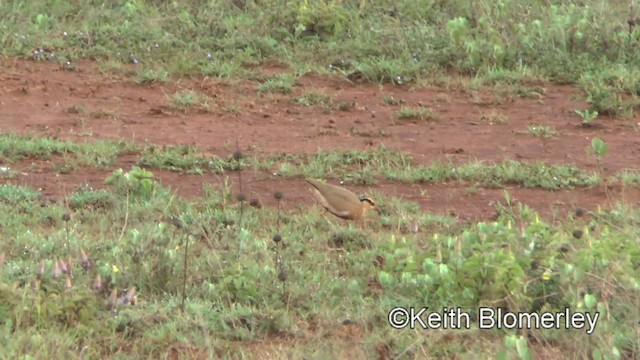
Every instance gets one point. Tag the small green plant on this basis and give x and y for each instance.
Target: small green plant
(17, 195)
(417, 113)
(190, 99)
(186, 98)
(281, 83)
(542, 131)
(600, 149)
(313, 98)
(345, 106)
(151, 76)
(87, 198)
(521, 346)
(137, 182)
(587, 116)
(602, 94)
(390, 100)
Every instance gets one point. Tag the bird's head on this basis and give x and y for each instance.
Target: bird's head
(368, 204)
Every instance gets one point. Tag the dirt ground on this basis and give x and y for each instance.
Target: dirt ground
(37, 97)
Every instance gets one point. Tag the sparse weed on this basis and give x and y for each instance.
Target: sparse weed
(313, 98)
(543, 131)
(493, 117)
(282, 83)
(345, 106)
(190, 99)
(99, 153)
(416, 113)
(151, 76)
(600, 149)
(587, 116)
(390, 100)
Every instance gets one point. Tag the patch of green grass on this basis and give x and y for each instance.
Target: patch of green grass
(90, 199)
(282, 83)
(354, 166)
(189, 99)
(14, 195)
(313, 98)
(610, 91)
(98, 153)
(512, 43)
(630, 178)
(416, 113)
(146, 75)
(542, 131)
(183, 158)
(124, 288)
(365, 167)
(529, 175)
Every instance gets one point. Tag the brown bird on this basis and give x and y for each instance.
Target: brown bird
(341, 202)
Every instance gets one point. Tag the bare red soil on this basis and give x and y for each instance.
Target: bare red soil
(40, 98)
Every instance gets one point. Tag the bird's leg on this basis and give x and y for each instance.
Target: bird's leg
(324, 215)
(362, 223)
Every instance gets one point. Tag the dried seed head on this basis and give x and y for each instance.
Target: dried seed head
(579, 212)
(83, 256)
(128, 298)
(84, 259)
(56, 270)
(241, 197)
(97, 283)
(40, 270)
(63, 267)
(122, 301)
(237, 155)
(277, 238)
(69, 264)
(176, 222)
(113, 299)
(131, 293)
(282, 275)
(278, 195)
(577, 234)
(66, 217)
(255, 203)
(87, 265)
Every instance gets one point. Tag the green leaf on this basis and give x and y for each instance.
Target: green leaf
(502, 354)
(590, 301)
(523, 348)
(599, 146)
(616, 352)
(385, 279)
(510, 341)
